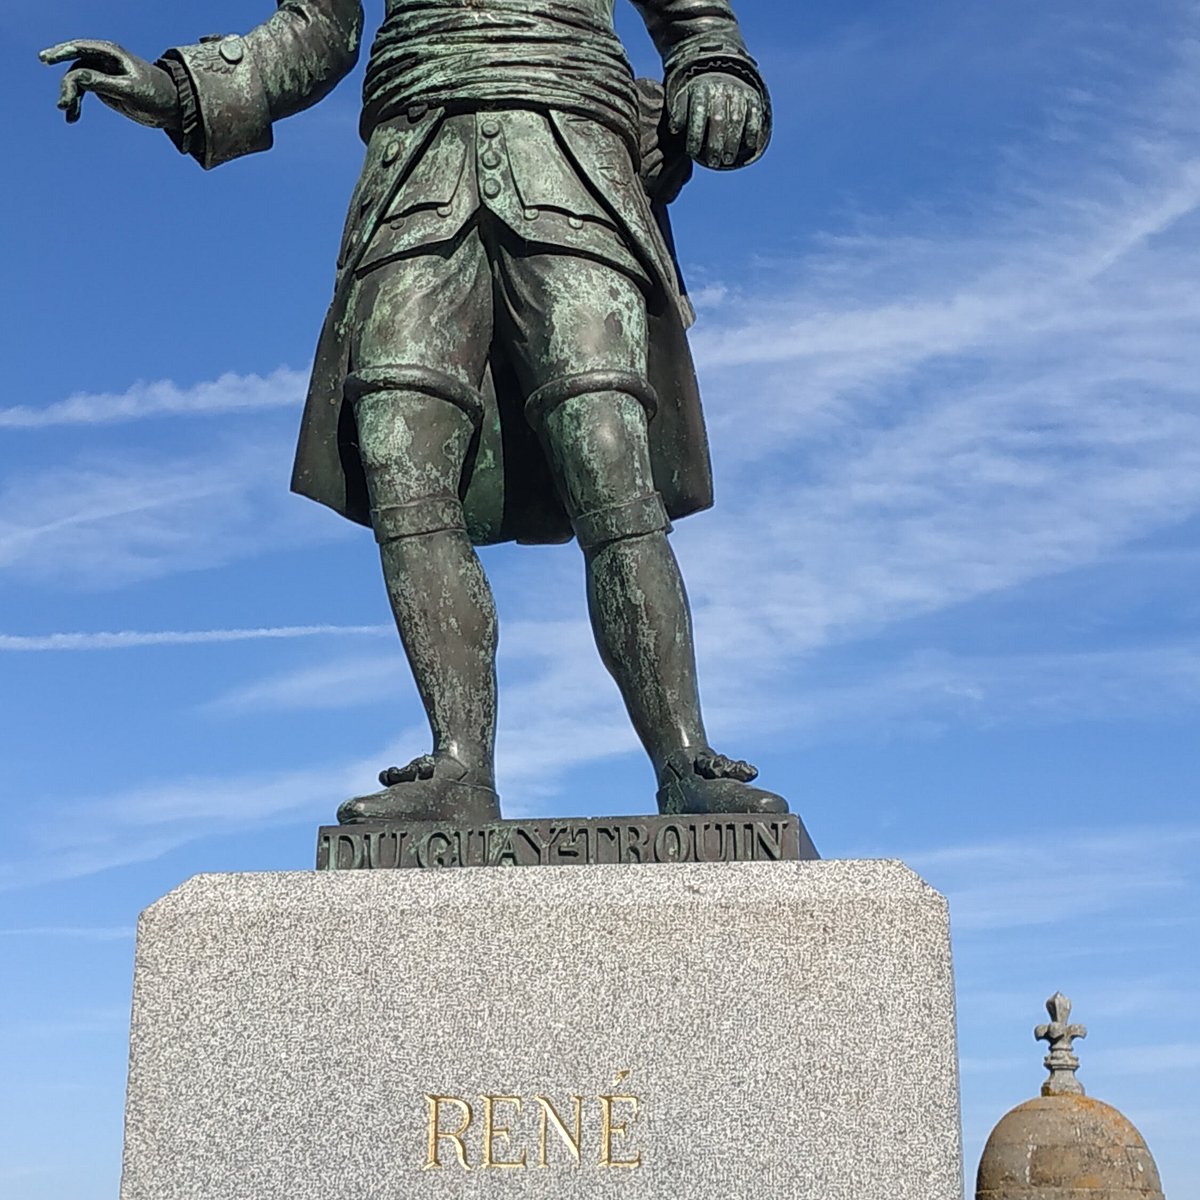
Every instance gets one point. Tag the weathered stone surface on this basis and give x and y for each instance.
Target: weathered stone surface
(1067, 1147)
(765, 1030)
(565, 841)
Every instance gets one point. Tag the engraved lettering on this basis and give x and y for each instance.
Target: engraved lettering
(371, 840)
(613, 833)
(729, 843)
(437, 1133)
(610, 1129)
(500, 847)
(431, 850)
(544, 845)
(492, 1131)
(471, 857)
(355, 847)
(671, 838)
(533, 841)
(670, 844)
(565, 847)
(376, 840)
(549, 1115)
(771, 846)
(636, 839)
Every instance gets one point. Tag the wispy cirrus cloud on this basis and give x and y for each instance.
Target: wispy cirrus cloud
(83, 933)
(1024, 882)
(917, 416)
(132, 639)
(144, 823)
(904, 421)
(230, 393)
(339, 683)
(103, 521)
(554, 689)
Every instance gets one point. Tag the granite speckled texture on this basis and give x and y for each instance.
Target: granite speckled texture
(766, 1030)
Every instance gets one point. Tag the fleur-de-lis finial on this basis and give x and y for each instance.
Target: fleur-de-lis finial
(1061, 1062)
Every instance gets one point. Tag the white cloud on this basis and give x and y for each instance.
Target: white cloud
(138, 638)
(1148, 1059)
(828, 695)
(82, 933)
(99, 522)
(339, 683)
(1060, 878)
(230, 393)
(903, 421)
(912, 419)
(101, 832)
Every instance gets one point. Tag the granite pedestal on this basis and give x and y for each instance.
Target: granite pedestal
(726, 1030)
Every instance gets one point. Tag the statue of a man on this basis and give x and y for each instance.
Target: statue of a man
(505, 356)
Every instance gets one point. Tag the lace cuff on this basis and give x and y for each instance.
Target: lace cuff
(189, 138)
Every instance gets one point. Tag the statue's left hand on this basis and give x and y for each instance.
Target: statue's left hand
(134, 87)
(723, 118)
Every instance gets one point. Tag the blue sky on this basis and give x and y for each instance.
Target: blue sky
(949, 344)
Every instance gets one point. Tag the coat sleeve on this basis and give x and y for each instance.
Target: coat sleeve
(232, 89)
(696, 37)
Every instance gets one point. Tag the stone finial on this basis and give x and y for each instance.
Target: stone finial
(1061, 1062)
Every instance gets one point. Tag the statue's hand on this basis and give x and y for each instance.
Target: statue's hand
(723, 117)
(135, 88)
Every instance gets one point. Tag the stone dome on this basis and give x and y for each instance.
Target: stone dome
(1065, 1145)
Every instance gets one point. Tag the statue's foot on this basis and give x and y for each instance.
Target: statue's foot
(698, 780)
(434, 787)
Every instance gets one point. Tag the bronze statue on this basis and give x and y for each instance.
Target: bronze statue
(505, 356)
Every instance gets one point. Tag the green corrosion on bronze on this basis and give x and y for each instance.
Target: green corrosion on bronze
(505, 356)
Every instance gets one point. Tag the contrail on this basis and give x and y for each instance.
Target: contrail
(132, 639)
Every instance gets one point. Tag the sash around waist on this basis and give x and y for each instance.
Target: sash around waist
(548, 54)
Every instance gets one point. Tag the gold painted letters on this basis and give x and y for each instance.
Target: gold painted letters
(610, 1129)
(436, 1133)
(507, 1134)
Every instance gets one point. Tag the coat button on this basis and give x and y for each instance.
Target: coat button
(232, 50)
(491, 188)
(490, 159)
(391, 153)
(575, 222)
(444, 210)
(530, 214)
(490, 129)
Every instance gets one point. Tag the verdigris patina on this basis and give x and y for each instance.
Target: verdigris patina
(571, 841)
(505, 356)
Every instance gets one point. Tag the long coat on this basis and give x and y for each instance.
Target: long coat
(240, 85)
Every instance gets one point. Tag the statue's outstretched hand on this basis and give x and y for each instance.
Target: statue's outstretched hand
(135, 88)
(722, 118)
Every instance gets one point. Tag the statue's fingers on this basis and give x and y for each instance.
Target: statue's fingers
(735, 130)
(98, 53)
(679, 110)
(58, 54)
(81, 80)
(697, 123)
(70, 94)
(718, 123)
(752, 137)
